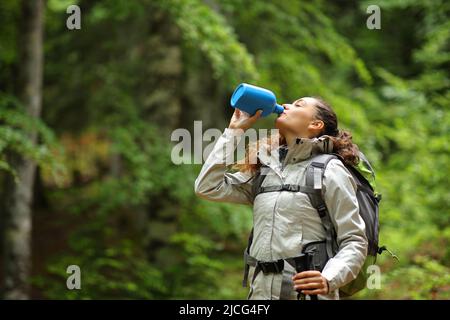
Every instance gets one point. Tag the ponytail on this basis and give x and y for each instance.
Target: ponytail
(344, 146)
(342, 139)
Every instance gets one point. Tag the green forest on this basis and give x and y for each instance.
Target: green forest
(86, 116)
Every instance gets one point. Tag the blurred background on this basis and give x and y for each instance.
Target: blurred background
(86, 117)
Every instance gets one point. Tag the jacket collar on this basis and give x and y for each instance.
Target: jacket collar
(298, 150)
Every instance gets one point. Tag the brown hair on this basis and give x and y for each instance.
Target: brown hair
(342, 140)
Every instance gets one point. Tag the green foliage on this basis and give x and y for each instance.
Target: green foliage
(111, 268)
(205, 29)
(16, 129)
(105, 241)
(413, 132)
(8, 35)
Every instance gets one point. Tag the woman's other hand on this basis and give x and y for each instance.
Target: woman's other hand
(310, 282)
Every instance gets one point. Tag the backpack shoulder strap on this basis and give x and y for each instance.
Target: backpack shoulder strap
(258, 179)
(314, 180)
(316, 169)
(260, 175)
(246, 255)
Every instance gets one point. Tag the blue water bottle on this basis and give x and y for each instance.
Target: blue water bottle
(250, 99)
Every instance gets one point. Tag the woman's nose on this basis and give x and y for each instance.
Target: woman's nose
(286, 106)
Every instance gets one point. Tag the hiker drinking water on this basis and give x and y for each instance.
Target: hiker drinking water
(308, 238)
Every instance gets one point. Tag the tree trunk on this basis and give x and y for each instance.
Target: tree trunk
(19, 196)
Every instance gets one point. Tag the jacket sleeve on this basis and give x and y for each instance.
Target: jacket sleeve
(215, 182)
(340, 199)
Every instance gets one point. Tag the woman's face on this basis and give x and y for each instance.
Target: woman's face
(298, 119)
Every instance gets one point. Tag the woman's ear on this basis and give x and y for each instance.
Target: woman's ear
(316, 125)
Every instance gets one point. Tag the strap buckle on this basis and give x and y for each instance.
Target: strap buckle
(271, 266)
(378, 197)
(384, 248)
(291, 187)
(322, 209)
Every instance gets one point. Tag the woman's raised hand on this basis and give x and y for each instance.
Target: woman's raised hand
(242, 120)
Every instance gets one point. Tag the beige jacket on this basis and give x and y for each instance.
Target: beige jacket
(285, 221)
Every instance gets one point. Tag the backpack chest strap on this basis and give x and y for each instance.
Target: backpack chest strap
(284, 187)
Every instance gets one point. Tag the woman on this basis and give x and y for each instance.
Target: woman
(284, 222)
